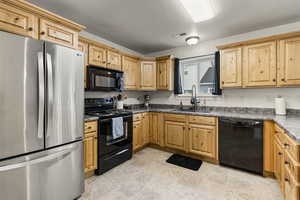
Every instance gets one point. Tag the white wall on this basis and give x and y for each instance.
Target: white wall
(233, 97)
(133, 97)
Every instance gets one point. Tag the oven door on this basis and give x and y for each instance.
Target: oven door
(107, 144)
(101, 79)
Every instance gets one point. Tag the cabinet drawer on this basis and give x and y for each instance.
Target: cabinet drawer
(291, 187)
(137, 117)
(56, 33)
(90, 126)
(292, 166)
(18, 21)
(202, 120)
(174, 117)
(292, 147)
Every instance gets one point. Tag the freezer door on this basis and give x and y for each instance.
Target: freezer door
(21, 95)
(48, 175)
(65, 95)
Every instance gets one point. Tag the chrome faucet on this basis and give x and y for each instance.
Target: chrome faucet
(194, 99)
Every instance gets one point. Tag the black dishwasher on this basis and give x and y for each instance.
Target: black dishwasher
(241, 144)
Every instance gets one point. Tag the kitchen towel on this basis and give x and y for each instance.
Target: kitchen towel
(117, 127)
(280, 106)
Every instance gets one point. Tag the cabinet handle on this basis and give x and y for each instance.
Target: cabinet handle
(282, 79)
(279, 153)
(287, 180)
(274, 80)
(286, 145)
(287, 163)
(17, 18)
(30, 29)
(42, 33)
(223, 82)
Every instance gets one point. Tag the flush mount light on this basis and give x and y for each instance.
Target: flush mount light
(192, 40)
(200, 10)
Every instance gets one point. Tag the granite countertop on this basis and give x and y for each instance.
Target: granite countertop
(90, 118)
(290, 123)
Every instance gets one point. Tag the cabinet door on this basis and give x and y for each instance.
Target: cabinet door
(57, 33)
(84, 47)
(175, 135)
(97, 56)
(278, 163)
(114, 60)
(289, 62)
(259, 64)
(202, 140)
(162, 75)
(137, 131)
(90, 151)
(145, 132)
(154, 137)
(231, 68)
(130, 66)
(148, 75)
(18, 21)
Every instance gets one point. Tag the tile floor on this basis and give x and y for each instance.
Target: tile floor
(148, 177)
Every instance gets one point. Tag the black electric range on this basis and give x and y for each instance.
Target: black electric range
(111, 151)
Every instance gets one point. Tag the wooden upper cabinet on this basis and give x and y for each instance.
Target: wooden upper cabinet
(84, 47)
(202, 140)
(289, 62)
(57, 33)
(231, 68)
(97, 56)
(130, 67)
(175, 135)
(148, 75)
(18, 21)
(259, 65)
(164, 77)
(114, 60)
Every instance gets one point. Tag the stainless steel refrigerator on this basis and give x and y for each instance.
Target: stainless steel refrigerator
(41, 120)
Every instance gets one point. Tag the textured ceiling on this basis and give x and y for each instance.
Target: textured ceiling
(151, 25)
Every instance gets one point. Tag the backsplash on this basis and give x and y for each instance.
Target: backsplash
(133, 97)
(256, 98)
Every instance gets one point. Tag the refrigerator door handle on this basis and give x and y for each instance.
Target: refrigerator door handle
(50, 93)
(41, 107)
(38, 160)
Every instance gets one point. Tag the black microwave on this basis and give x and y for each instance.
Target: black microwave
(103, 79)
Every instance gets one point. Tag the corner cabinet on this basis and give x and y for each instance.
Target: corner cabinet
(165, 73)
(289, 62)
(148, 75)
(259, 65)
(231, 68)
(131, 69)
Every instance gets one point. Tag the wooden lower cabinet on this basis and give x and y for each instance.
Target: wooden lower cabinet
(157, 129)
(202, 140)
(145, 129)
(137, 139)
(90, 152)
(278, 162)
(175, 136)
(291, 186)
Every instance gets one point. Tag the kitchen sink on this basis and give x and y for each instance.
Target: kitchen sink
(191, 109)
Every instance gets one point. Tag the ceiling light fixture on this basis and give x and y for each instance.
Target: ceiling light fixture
(192, 40)
(199, 10)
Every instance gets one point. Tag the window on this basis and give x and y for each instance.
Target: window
(197, 71)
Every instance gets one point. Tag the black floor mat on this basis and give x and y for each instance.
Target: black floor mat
(185, 162)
